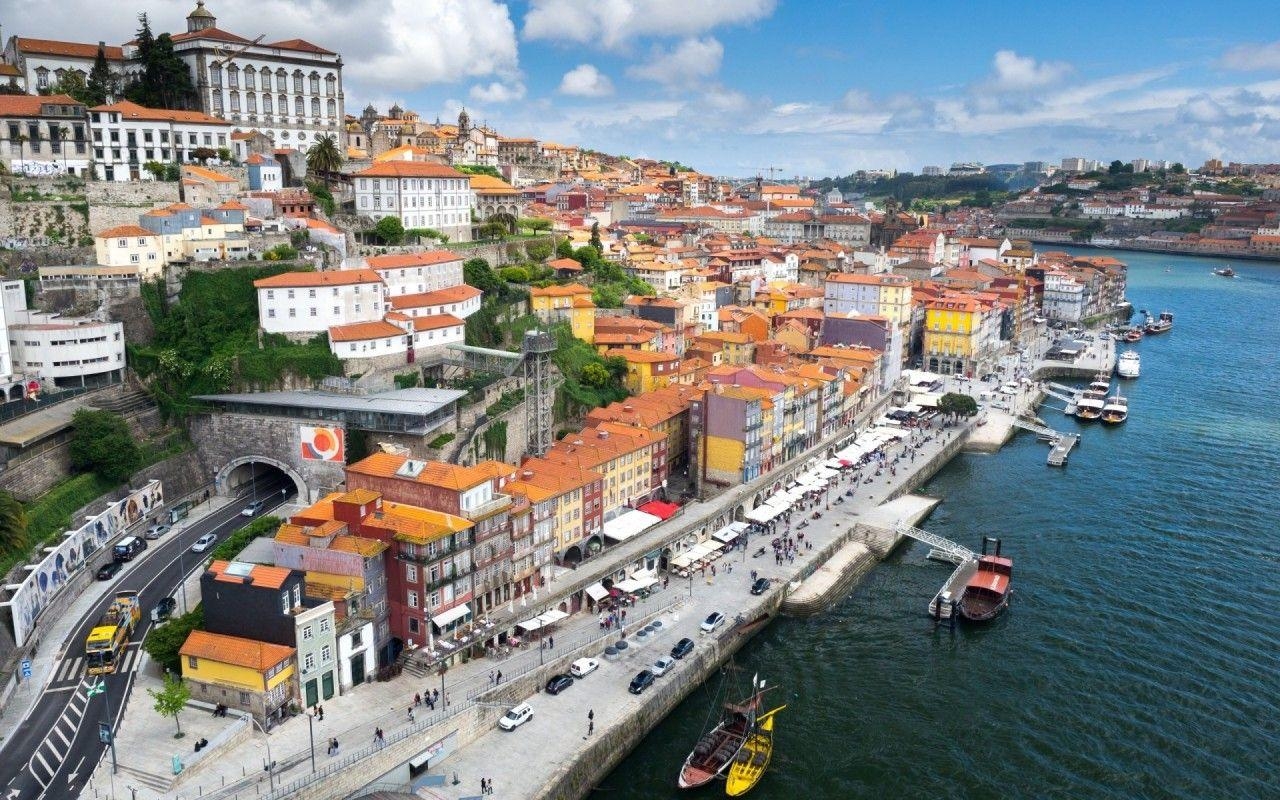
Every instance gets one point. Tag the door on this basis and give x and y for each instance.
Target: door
(313, 696)
(326, 683)
(357, 669)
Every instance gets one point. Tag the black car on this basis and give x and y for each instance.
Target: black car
(108, 570)
(164, 609)
(643, 680)
(683, 648)
(559, 683)
(760, 586)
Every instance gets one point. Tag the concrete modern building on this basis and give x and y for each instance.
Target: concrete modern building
(59, 351)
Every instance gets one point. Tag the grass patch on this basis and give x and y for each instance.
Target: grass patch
(441, 440)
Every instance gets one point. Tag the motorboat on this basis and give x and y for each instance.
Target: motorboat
(1089, 404)
(1115, 410)
(1129, 365)
(1226, 272)
(1133, 335)
(1163, 324)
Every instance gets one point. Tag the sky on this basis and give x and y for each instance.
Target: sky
(807, 87)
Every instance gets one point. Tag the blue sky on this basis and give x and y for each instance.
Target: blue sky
(815, 88)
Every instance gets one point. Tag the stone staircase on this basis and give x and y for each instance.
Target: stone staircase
(127, 402)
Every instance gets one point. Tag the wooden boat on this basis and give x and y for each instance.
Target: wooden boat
(1162, 325)
(987, 592)
(1116, 410)
(719, 747)
(748, 768)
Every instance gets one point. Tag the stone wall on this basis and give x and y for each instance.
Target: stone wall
(112, 204)
(35, 471)
(46, 221)
(225, 438)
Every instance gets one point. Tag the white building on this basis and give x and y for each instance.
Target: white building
(45, 135)
(126, 136)
(131, 246)
(303, 304)
(316, 640)
(415, 273)
(398, 339)
(460, 301)
(931, 170)
(60, 351)
(290, 90)
(420, 194)
(41, 63)
(1063, 297)
(1074, 164)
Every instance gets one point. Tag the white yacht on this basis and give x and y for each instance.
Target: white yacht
(1089, 404)
(1129, 364)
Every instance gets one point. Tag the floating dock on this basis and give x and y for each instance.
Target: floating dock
(1062, 448)
(943, 603)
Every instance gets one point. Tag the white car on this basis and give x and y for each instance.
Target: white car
(516, 717)
(662, 666)
(253, 508)
(583, 667)
(204, 543)
(714, 620)
(1009, 388)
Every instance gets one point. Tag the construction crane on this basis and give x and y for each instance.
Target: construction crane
(223, 59)
(771, 170)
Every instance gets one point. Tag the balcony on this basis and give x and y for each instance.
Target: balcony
(453, 575)
(500, 502)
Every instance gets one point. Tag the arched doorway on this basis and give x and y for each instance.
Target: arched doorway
(260, 475)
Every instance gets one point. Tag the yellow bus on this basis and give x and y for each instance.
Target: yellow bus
(107, 641)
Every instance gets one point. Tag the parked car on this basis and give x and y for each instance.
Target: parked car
(516, 717)
(643, 680)
(559, 683)
(583, 667)
(760, 586)
(156, 531)
(1009, 388)
(204, 543)
(108, 570)
(682, 648)
(253, 508)
(662, 666)
(164, 609)
(714, 620)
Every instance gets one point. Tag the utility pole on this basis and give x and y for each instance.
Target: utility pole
(105, 733)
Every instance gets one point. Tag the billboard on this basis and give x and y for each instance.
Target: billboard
(323, 444)
(76, 551)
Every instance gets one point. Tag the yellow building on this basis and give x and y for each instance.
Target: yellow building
(647, 371)
(257, 677)
(952, 331)
(738, 348)
(130, 246)
(570, 303)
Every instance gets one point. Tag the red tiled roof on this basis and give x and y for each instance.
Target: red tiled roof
(397, 260)
(408, 169)
(361, 331)
(123, 230)
(453, 294)
(300, 44)
(130, 110)
(235, 650)
(25, 105)
(341, 277)
(435, 321)
(52, 47)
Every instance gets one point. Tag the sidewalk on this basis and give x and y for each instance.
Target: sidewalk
(56, 625)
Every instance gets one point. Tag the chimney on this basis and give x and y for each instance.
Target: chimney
(603, 434)
(527, 474)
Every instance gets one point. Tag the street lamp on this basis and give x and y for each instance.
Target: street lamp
(271, 764)
(444, 702)
(311, 734)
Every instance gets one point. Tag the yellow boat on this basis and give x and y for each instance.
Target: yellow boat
(749, 767)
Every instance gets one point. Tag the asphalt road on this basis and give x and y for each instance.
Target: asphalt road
(58, 745)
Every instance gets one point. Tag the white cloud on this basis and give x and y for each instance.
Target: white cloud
(585, 80)
(498, 92)
(690, 60)
(387, 45)
(1251, 57)
(1011, 72)
(612, 24)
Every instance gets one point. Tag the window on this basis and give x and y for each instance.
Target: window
(297, 81)
(215, 77)
(297, 595)
(413, 599)
(283, 105)
(411, 573)
(266, 102)
(266, 80)
(356, 639)
(284, 602)
(315, 106)
(193, 662)
(413, 624)
(313, 311)
(307, 633)
(336, 311)
(233, 77)
(326, 654)
(293, 312)
(324, 625)
(271, 313)
(329, 83)
(315, 83)
(299, 108)
(308, 662)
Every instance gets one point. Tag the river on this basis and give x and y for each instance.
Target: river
(1139, 657)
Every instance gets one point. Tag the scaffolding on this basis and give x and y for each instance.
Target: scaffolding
(539, 390)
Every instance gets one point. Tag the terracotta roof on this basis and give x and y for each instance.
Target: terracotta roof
(453, 294)
(408, 169)
(234, 650)
(9, 70)
(52, 47)
(210, 33)
(341, 277)
(487, 184)
(432, 322)
(565, 264)
(233, 205)
(397, 260)
(207, 174)
(123, 230)
(300, 44)
(568, 290)
(641, 356)
(362, 331)
(130, 110)
(259, 574)
(25, 105)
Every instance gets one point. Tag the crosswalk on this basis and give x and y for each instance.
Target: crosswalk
(48, 757)
(71, 670)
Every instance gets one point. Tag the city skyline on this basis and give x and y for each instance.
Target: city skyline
(733, 87)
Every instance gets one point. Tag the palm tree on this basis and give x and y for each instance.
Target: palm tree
(22, 149)
(64, 133)
(324, 159)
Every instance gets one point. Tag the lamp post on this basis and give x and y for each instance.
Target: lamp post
(271, 764)
(444, 703)
(311, 734)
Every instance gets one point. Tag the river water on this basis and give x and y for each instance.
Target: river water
(1141, 655)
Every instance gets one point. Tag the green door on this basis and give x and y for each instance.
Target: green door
(357, 669)
(312, 696)
(326, 682)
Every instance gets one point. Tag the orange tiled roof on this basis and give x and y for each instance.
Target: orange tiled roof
(124, 230)
(341, 277)
(433, 322)
(408, 169)
(259, 574)
(452, 294)
(130, 110)
(234, 650)
(362, 331)
(398, 260)
(25, 105)
(51, 47)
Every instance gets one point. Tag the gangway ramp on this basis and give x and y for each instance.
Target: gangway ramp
(935, 541)
(1035, 427)
(966, 561)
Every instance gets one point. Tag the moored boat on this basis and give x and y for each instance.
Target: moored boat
(1129, 365)
(1226, 272)
(1089, 404)
(1162, 325)
(1133, 335)
(719, 747)
(748, 768)
(988, 590)
(1116, 410)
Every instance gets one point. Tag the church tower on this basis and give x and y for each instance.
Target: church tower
(201, 19)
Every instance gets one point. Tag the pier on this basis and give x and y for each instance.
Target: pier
(942, 606)
(1062, 448)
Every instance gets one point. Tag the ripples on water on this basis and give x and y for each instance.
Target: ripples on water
(1139, 658)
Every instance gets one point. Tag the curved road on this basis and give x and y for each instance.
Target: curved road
(56, 748)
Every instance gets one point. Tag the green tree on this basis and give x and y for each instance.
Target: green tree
(71, 83)
(1115, 167)
(165, 80)
(536, 224)
(13, 524)
(101, 443)
(324, 159)
(225, 155)
(478, 273)
(514, 274)
(606, 295)
(957, 405)
(564, 249)
(156, 169)
(595, 237)
(1178, 169)
(507, 221)
(171, 699)
(595, 375)
(101, 85)
(203, 154)
(538, 251)
(389, 230)
(164, 642)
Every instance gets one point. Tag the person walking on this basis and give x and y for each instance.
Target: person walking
(320, 712)
(498, 678)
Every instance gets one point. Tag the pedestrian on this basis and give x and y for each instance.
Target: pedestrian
(713, 570)
(335, 746)
(491, 677)
(435, 695)
(499, 677)
(410, 715)
(665, 579)
(552, 639)
(417, 699)
(624, 615)
(377, 737)
(591, 727)
(320, 712)
(484, 786)
(329, 748)
(753, 574)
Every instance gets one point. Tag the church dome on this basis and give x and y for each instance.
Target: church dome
(201, 18)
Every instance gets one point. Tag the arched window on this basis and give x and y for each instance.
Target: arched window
(315, 106)
(282, 80)
(331, 109)
(330, 84)
(250, 78)
(266, 80)
(233, 77)
(297, 81)
(315, 83)
(235, 102)
(299, 108)
(266, 104)
(251, 102)
(215, 76)
(283, 105)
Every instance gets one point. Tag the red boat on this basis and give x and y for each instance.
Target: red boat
(988, 590)
(719, 747)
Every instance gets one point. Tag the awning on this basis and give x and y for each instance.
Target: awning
(680, 562)
(725, 534)
(597, 592)
(713, 546)
(629, 585)
(629, 525)
(765, 513)
(530, 625)
(659, 509)
(452, 615)
(553, 616)
(929, 400)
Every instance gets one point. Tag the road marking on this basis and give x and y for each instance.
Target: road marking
(61, 735)
(126, 661)
(37, 757)
(60, 689)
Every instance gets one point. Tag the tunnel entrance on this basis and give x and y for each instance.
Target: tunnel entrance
(260, 476)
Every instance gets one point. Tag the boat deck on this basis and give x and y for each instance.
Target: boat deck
(1062, 448)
